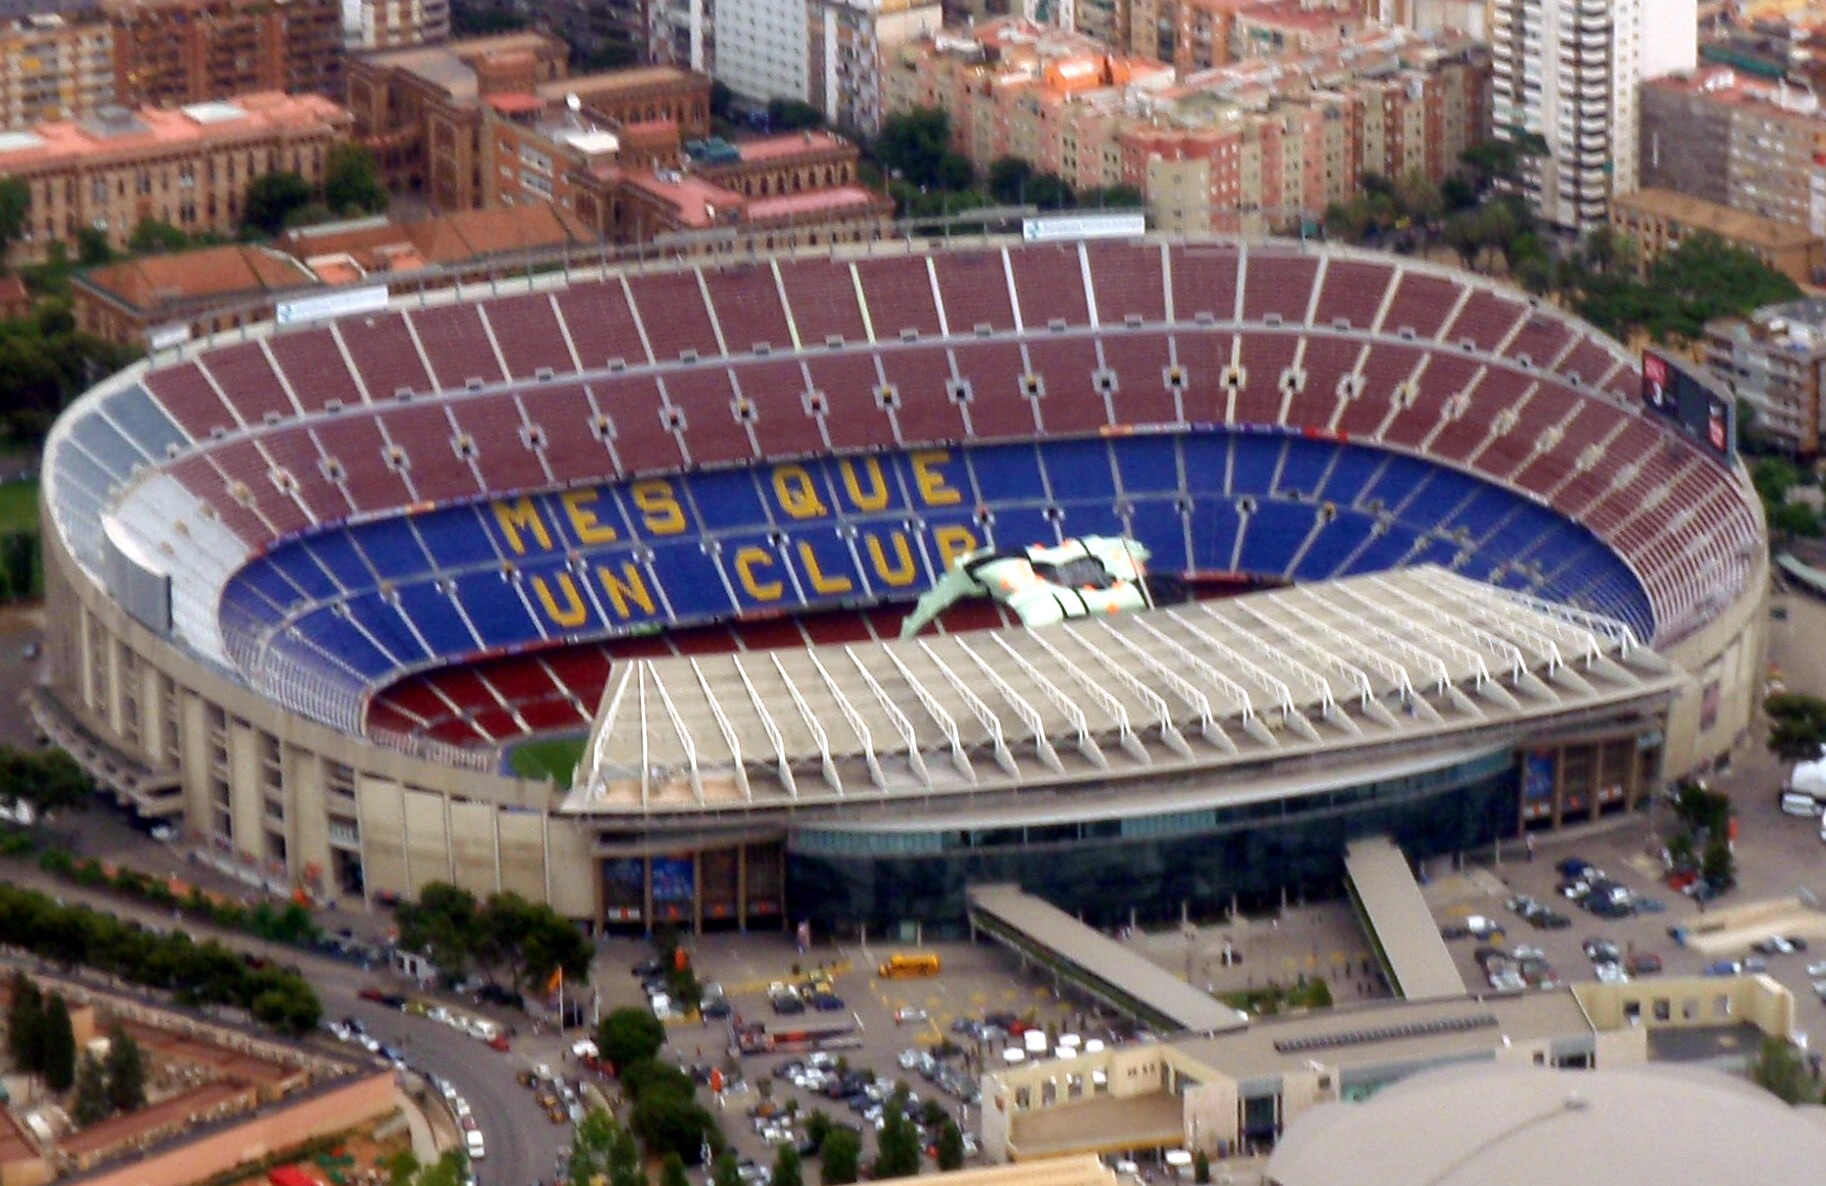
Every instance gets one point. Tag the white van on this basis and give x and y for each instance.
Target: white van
(1799, 803)
(472, 1142)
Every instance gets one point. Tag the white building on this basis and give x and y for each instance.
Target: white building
(387, 24)
(761, 48)
(847, 40)
(1569, 71)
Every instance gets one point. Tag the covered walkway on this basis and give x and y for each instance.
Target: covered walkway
(1096, 963)
(1413, 952)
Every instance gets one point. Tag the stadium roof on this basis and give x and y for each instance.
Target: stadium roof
(1397, 656)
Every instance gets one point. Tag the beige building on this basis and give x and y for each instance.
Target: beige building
(391, 24)
(1234, 1093)
(189, 167)
(55, 66)
(1658, 219)
(1775, 360)
(1254, 145)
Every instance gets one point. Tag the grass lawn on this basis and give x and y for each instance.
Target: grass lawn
(552, 757)
(18, 507)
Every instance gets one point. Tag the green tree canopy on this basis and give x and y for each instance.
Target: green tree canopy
(840, 1157)
(897, 1153)
(1779, 1070)
(442, 926)
(126, 1072)
(672, 1171)
(92, 1105)
(728, 1171)
(1797, 726)
(25, 1024)
(628, 1037)
(787, 1169)
(792, 115)
(15, 212)
(950, 1146)
(59, 1045)
(351, 181)
(916, 144)
(271, 199)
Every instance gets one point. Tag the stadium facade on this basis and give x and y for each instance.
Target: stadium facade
(307, 584)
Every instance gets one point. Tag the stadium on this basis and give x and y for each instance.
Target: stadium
(354, 595)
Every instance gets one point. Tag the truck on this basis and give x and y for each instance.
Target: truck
(908, 964)
(795, 1037)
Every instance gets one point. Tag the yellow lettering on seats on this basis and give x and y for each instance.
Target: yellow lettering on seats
(659, 505)
(580, 507)
(935, 490)
(625, 590)
(746, 560)
(903, 572)
(521, 514)
(573, 612)
(816, 577)
(953, 542)
(797, 493)
(876, 496)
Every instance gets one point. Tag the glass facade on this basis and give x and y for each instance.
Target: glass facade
(841, 879)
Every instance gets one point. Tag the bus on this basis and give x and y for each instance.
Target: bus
(909, 964)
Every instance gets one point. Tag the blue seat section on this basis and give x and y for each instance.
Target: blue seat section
(1007, 473)
(1158, 523)
(1147, 464)
(1304, 467)
(1274, 535)
(144, 422)
(1353, 470)
(436, 617)
(103, 442)
(455, 537)
(301, 569)
(701, 547)
(1253, 459)
(341, 559)
(392, 549)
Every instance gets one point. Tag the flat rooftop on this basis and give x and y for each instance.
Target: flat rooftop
(1688, 211)
(1100, 1124)
(1104, 959)
(1415, 1032)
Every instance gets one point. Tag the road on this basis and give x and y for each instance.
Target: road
(521, 1142)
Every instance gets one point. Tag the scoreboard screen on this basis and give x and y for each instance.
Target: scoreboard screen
(1670, 390)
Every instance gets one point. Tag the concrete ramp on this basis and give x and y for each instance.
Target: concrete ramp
(1091, 960)
(1419, 966)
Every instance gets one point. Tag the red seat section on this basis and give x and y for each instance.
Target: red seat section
(600, 325)
(927, 406)
(458, 345)
(435, 467)
(781, 419)
(384, 354)
(1071, 402)
(503, 453)
(294, 449)
(822, 298)
(848, 400)
(1049, 283)
(1485, 320)
(1278, 283)
(185, 392)
(1204, 281)
(1589, 360)
(197, 474)
(246, 377)
(974, 285)
(1203, 357)
(1422, 303)
(371, 477)
(898, 292)
(526, 329)
(564, 427)
(746, 299)
(1127, 281)
(1139, 362)
(251, 481)
(1541, 340)
(1266, 359)
(1352, 292)
(1001, 408)
(642, 430)
(714, 431)
(672, 310)
(313, 367)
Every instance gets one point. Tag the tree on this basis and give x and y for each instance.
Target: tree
(1797, 726)
(792, 115)
(897, 1153)
(629, 1036)
(92, 247)
(672, 1171)
(351, 180)
(624, 1160)
(950, 1146)
(25, 1024)
(916, 145)
(728, 1171)
(673, 1123)
(271, 199)
(91, 1093)
(1717, 865)
(451, 1169)
(1201, 1168)
(442, 926)
(840, 1157)
(15, 212)
(126, 1070)
(1779, 1070)
(787, 1169)
(59, 1069)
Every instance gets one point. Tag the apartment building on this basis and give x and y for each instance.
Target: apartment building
(1775, 359)
(392, 24)
(1752, 144)
(847, 41)
(1256, 145)
(1569, 71)
(188, 166)
(55, 66)
(682, 33)
(763, 48)
(1659, 219)
(172, 52)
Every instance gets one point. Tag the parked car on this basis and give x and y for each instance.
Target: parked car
(1773, 945)
(1643, 963)
(902, 1016)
